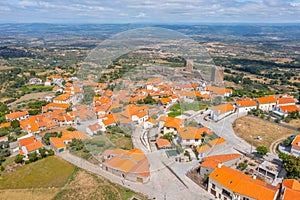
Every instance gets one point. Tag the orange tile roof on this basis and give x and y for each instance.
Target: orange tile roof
(3, 137)
(240, 183)
(62, 97)
(291, 183)
(15, 115)
(246, 103)
(266, 100)
(190, 133)
(286, 100)
(216, 141)
(132, 161)
(289, 109)
(223, 108)
(203, 148)
(26, 141)
(218, 90)
(164, 101)
(296, 141)
(57, 142)
(5, 125)
(69, 135)
(108, 119)
(213, 161)
(173, 122)
(163, 143)
(151, 120)
(34, 146)
(95, 127)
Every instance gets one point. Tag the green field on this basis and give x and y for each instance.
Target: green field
(179, 108)
(48, 172)
(54, 178)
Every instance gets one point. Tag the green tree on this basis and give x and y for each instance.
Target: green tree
(32, 157)
(43, 152)
(19, 158)
(262, 150)
(15, 124)
(71, 129)
(291, 164)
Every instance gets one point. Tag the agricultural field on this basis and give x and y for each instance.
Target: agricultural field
(48, 172)
(54, 178)
(249, 128)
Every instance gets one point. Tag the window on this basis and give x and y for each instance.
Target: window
(213, 186)
(245, 198)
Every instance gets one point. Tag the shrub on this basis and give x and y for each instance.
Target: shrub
(262, 150)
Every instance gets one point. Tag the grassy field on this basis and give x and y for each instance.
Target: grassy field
(179, 108)
(48, 172)
(294, 123)
(245, 127)
(54, 178)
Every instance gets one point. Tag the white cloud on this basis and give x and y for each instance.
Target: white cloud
(154, 10)
(140, 15)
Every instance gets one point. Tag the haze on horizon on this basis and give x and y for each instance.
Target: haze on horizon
(154, 11)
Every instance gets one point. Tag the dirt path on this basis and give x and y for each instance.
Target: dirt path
(274, 144)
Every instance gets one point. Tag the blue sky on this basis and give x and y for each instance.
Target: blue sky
(150, 11)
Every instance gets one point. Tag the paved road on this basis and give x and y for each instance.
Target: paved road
(223, 128)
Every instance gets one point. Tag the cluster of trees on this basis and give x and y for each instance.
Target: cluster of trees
(4, 151)
(3, 111)
(34, 156)
(291, 164)
(47, 136)
(291, 116)
(8, 52)
(147, 100)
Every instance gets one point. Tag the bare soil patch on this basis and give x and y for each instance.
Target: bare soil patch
(249, 128)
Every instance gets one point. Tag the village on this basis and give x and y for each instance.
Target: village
(173, 125)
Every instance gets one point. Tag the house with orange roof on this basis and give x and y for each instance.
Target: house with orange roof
(19, 115)
(55, 106)
(4, 138)
(134, 113)
(29, 145)
(267, 103)
(191, 136)
(245, 105)
(163, 144)
(57, 144)
(68, 136)
(295, 149)
(212, 145)
(5, 125)
(227, 183)
(286, 101)
(150, 122)
(284, 111)
(65, 98)
(219, 91)
(106, 121)
(210, 163)
(128, 164)
(172, 125)
(94, 129)
(290, 189)
(165, 101)
(221, 111)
